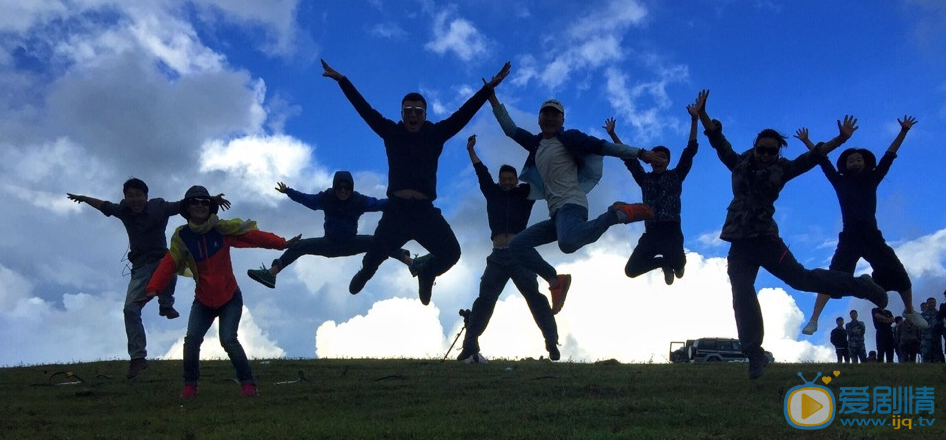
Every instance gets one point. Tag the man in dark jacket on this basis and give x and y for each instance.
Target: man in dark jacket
(413, 147)
(343, 206)
(508, 209)
(758, 176)
(839, 340)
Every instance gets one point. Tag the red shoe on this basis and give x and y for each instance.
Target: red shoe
(190, 390)
(559, 290)
(249, 390)
(633, 212)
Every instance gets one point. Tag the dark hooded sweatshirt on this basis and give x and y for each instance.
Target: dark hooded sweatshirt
(341, 216)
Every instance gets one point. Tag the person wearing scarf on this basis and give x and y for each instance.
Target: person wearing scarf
(201, 249)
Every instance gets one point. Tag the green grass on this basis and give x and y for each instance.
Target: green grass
(427, 399)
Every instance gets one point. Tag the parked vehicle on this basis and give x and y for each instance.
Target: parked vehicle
(709, 350)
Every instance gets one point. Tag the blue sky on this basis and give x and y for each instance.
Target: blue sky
(230, 95)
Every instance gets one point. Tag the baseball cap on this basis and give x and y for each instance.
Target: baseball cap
(554, 104)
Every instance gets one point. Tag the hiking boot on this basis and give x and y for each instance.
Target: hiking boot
(559, 290)
(917, 320)
(248, 390)
(810, 328)
(554, 354)
(757, 364)
(262, 276)
(359, 280)
(136, 367)
(417, 264)
(632, 212)
(467, 352)
(678, 273)
(668, 275)
(425, 287)
(872, 291)
(190, 390)
(168, 312)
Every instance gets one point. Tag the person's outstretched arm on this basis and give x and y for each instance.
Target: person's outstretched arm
(455, 122)
(311, 201)
(482, 172)
(905, 125)
(633, 164)
(624, 151)
(91, 201)
(378, 123)
(826, 166)
(715, 133)
(686, 157)
(845, 130)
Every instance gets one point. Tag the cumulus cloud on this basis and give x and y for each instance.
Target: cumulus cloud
(254, 340)
(456, 35)
(394, 327)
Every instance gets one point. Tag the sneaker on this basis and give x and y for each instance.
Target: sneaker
(136, 367)
(359, 280)
(417, 264)
(168, 312)
(668, 275)
(262, 276)
(678, 273)
(425, 288)
(467, 352)
(249, 390)
(190, 390)
(633, 212)
(873, 292)
(916, 319)
(554, 354)
(559, 290)
(757, 364)
(810, 328)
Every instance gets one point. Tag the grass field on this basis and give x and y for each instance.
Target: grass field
(427, 399)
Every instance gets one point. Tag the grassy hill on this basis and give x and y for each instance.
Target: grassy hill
(427, 399)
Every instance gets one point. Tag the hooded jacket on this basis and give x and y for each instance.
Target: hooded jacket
(341, 216)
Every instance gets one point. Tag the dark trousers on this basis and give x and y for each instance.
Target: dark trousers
(500, 267)
(745, 258)
(664, 239)
(404, 220)
(885, 346)
(843, 355)
(330, 248)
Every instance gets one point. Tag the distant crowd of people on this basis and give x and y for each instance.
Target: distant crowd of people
(894, 336)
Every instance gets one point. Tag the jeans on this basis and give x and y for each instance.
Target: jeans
(329, 248)
(570, 226)
(858, 353)
(745, 258)
(500, 267)
(134, 329)
(664, 239)
(418, 220)
(884, 341)
(200, 320)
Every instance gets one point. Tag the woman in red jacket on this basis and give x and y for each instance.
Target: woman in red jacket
(201, 249)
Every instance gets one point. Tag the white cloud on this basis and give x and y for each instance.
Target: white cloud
(254, 340)
(456, 35)
(394, 327)
(388, 30)
(253, 164)
(606, 316)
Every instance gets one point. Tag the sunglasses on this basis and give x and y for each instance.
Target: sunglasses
(343, 188)
(415, 110)
(201, 201)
